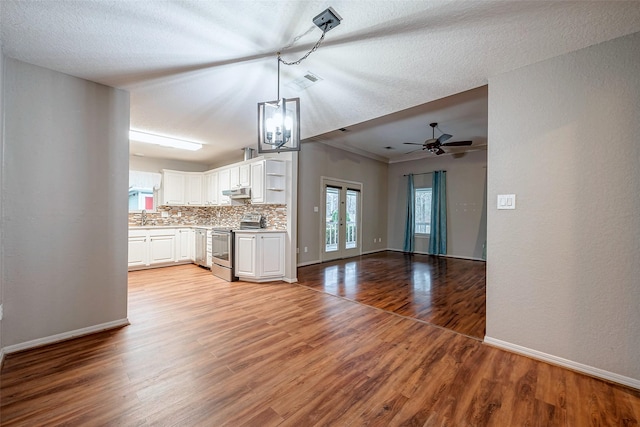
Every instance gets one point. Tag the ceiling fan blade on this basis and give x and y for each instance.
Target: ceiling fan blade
(413, 151)
(430, 141)
(440, 151)
(457, 143)
(413, 143)
(444, 137)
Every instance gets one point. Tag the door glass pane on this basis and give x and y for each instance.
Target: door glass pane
(352, 219)
(332, 216)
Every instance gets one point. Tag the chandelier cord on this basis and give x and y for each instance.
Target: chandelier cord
(306, 55)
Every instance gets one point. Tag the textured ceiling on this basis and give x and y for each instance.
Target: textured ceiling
(197, 69)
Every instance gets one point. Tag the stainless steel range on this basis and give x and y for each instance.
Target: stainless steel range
(222, 248)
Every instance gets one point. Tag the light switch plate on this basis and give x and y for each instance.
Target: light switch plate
(506, 201)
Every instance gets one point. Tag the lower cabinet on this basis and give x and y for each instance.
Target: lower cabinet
(155, 247)
(183, 245)
(138, 249)
(259, 256)
(162, 248)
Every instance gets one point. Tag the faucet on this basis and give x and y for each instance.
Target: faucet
(143, 218)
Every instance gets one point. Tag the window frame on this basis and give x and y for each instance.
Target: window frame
(415, 216)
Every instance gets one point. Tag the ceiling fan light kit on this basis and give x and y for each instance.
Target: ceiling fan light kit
(434, 145)
(279, 120)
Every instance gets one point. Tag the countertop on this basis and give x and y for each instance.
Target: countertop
(207, 227)
(260, 230)
(160, 227)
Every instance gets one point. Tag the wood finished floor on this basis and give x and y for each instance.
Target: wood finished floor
(447, 292)
(203, 352)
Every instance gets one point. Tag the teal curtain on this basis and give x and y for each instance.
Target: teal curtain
(409, 230)
(438, 237)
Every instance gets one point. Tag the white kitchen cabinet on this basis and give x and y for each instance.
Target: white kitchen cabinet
(193, 189)
(234, 178)
(224, 183)
(257, 182)
(268, 182)
(211, 189)
(244, 172)
(138, 249)
(162, 247)
(259, 256)
(245, 256)
(155, 247)
(172, 189)
(181, 188)
(183, 245)
(192, 244)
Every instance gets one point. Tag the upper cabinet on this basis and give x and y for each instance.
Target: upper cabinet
(172, 189)
(265, 177)
(194, 189)
(181, 188)
(234, 178)
(244, 175)
(224, 183)
(268, 182)
(211, 188)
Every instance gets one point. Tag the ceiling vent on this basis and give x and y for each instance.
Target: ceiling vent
(304, 82)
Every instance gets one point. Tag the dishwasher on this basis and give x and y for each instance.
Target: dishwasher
(201, 247)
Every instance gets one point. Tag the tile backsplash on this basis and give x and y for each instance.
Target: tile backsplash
(219, 216)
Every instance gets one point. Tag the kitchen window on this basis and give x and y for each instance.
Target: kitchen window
(422, 214)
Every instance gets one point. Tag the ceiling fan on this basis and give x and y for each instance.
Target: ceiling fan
(434, 145)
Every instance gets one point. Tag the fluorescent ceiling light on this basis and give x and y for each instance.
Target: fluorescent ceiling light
(165, 141)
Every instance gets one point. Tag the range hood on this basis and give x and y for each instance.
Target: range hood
(238, 193)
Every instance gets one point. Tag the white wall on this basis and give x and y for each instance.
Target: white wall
(317, 160)
(466, 202)
(563, 268)
(65, 173)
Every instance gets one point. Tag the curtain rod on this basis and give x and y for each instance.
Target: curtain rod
(421, 173)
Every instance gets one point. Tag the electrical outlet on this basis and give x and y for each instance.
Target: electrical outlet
(1, 311)
(306, 249)
(179, 214)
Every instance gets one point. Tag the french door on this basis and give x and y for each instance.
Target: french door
(341, 230)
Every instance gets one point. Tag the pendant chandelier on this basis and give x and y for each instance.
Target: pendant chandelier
(279, 120)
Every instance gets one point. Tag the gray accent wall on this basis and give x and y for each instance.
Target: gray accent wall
(64, 223)
(317, 160)
(563, 269)
(466, 202)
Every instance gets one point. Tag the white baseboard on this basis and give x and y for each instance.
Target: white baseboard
(1, 357)
(65, 336)
(374, 251)
(465, 257)
(302, 264)
(565, 363)
(288, 280)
